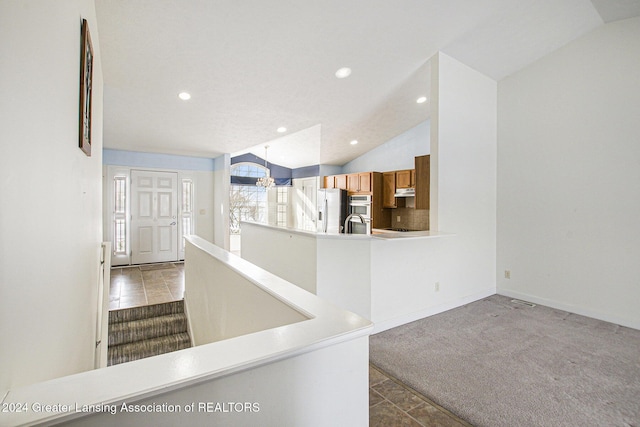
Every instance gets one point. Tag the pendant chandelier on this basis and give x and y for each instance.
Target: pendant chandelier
(266, 181)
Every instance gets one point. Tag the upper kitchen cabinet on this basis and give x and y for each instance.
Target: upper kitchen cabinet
(330, 181)
(389, 185)
(380, 217)
(353, 184)
(359, 182)
(335, 181)
(364, 182)
(405, 179)
(388, 189)
(423, 181)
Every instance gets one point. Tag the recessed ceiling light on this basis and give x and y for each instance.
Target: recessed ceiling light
(421, 100)
(354, 142)
(184, 96)
(282, 129)
(343, 72)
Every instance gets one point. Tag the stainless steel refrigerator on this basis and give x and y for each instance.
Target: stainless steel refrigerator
(332, 210)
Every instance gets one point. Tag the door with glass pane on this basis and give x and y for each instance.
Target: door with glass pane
(154, 216)
(186, 213)
(118, 204)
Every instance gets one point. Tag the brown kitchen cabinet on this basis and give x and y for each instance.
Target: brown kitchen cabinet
(404, 179)
(353, 183)
(364, 182)
(341, 181)
(388, 190)
(359, 183)
(330, 181)
(380, 217)
(389, 180)
(423, 181)
(336, 181)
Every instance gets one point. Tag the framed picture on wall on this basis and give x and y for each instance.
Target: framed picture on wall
(86, 82)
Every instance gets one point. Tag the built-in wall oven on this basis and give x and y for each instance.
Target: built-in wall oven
(360, 204)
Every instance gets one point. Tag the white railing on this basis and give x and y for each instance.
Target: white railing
(270, 354)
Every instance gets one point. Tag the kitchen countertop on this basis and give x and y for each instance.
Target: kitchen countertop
(391, 234)
(376, 234)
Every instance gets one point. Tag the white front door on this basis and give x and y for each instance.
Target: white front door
(154, 216)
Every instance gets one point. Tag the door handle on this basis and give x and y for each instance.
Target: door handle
(173, 223)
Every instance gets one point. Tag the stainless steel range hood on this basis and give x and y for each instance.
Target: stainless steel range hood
(405, 192)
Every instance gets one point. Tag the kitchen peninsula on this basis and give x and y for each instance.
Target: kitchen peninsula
(391, 278)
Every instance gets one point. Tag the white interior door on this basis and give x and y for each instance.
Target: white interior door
(310, 192)
(154, 216)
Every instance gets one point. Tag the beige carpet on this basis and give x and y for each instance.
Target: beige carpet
(498, 363)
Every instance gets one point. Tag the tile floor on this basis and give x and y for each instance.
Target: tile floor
(146, 284)
(392, 404)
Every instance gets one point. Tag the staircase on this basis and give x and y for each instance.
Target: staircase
(139, 332)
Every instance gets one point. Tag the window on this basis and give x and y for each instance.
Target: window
(282, 200)
(249, 169)
(247, 202)
(187, 208)
(120, 241)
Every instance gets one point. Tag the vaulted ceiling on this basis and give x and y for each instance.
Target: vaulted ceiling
(252, 66)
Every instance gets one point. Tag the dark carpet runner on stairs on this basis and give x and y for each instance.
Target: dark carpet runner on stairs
(139, 332)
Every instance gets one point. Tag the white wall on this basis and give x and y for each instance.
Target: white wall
(287, 254)
(463, 174)
(221, 188)
(344, 273)
(223, 304)
(204, 208)
(320, 388)
(569, 177)
(50, 191)
(403, 274)
(396, 154)
(390, 281)
(330, 170)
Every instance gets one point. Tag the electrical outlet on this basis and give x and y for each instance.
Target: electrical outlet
(437, 287)
(507, 274)
(398, 218)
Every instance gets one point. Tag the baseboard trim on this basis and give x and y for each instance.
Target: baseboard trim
(430, 311)
(570, 308)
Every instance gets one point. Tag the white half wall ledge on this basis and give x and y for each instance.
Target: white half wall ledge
(328, 329)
